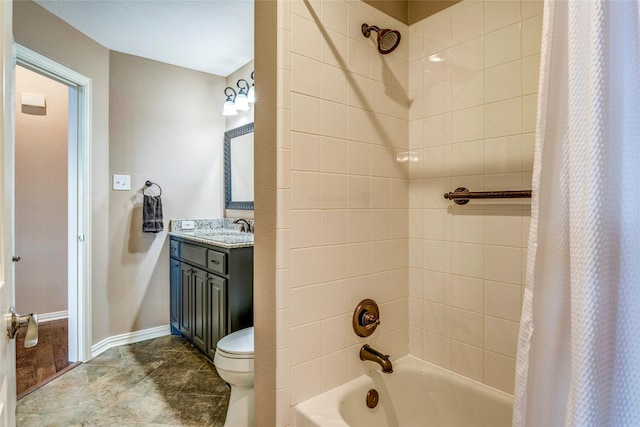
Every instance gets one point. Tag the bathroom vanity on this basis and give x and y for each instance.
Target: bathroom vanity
(211, 285)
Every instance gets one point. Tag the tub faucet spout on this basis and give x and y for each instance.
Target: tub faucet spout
(369, 353)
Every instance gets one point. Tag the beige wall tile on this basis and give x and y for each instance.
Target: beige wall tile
(306, 38)
(467, 360)
(304, 264)
(306, 381)
(304, 307)
(305, 228)
(503, 81)
(531, 35)
(502, 45)
(305, 152)
(503, 300)
(468, 57)
(500, 336)
(466, 326)
(334, 191)
(502, 118)
(305, 75)
(437, 36)
(467, 293)
(500, 13)
(502, 264)
(467, 24)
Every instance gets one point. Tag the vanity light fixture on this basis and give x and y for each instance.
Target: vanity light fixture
(239, 101)
(229, 108)
(252, 91)
(242, 101)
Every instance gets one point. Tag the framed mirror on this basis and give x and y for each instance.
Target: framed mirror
(238, 168)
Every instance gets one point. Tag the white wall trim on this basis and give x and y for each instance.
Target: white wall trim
(54, 315)
(79, 296)
(129, 338)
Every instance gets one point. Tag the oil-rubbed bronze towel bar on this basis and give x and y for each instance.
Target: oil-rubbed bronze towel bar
(462, 195)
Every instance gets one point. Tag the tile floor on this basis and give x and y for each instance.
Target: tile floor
(159, 382)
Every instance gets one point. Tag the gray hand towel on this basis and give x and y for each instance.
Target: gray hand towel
(152, 214)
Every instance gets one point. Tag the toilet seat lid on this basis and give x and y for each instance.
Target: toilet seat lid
(239, 342)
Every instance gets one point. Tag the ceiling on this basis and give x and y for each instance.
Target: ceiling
(214, 36)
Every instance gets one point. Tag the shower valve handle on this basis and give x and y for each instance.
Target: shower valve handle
(369, 320)
(366, 318)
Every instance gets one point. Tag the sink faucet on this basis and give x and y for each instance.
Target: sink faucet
(242, 222)
(368, 353)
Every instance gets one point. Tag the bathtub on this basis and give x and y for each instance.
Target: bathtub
(417, 393)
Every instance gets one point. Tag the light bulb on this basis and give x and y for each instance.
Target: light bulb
(229, 109)
(252, 95)
(242, 104)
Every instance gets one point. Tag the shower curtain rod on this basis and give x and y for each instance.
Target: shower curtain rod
(462, 195)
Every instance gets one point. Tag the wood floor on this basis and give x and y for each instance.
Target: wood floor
(36, 365)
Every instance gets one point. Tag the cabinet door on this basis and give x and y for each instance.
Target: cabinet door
(216, 309)
(200, 321)
(174, 295)
(185, 311)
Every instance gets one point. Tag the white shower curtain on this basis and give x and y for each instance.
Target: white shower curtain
(578, 361)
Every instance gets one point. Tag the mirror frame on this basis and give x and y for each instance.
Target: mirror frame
(228, 136)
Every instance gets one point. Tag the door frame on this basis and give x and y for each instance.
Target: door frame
(79, 193)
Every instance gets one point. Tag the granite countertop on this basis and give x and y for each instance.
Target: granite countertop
(219, 232)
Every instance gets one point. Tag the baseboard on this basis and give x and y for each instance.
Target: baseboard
(55, 315)
(129, 338)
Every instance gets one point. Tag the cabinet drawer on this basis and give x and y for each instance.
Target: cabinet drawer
(217, 261)
(174, 248)
(194, 254)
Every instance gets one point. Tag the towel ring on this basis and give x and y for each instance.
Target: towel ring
(148, 184)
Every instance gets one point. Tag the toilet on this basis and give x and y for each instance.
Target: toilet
(234, 363)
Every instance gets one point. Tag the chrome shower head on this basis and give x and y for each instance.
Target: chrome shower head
(388, 40)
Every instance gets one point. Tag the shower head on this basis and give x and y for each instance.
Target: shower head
(388, 40)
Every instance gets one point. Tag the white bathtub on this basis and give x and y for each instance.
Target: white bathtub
(417, 393)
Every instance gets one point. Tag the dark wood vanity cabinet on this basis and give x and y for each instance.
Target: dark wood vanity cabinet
(211, 291)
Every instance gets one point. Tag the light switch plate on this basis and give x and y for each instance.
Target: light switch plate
(188, 225)
(121, 182)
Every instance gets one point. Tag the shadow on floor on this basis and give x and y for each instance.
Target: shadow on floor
(164, 381)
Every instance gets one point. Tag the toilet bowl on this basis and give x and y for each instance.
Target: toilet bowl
(234, 362)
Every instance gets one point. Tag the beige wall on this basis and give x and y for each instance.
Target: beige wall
(241, 119)
(264, 251)
(38, 30)
(472, 120)
(165, 126)
(128, 266)
(342, 229)
(41, 169)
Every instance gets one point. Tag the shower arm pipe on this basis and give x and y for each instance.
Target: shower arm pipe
(462, 195)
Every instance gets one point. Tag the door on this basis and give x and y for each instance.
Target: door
(174, 297)
(7, 347)
(200, 323)
(216, 312)
(186, 301)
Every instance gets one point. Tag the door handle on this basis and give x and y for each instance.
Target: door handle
(16, 322)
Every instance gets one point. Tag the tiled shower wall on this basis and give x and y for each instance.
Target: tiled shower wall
(355, 222)
(473, 79)
(343, 199)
